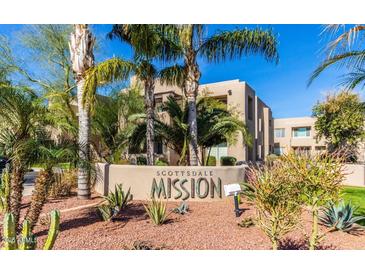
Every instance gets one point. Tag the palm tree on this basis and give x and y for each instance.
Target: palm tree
(81, 50)
(191, 43)
(21, 128)
(215, 126)
(342, 52)
(147, 44)
(111, 126)
(49, 156)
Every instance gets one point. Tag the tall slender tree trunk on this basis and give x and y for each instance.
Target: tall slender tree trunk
(191, 91)
(150, 111)
(16, 190)
(39, 196)
(82, 57)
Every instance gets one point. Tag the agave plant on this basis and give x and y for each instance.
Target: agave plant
(156, 210)
(340, 217)
(182, 209)
(115, 202)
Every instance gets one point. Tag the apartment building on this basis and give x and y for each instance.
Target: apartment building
(297, 134)
(242, 99)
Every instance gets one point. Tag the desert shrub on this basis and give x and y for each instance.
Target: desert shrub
(247, 222)
(340, 217)
(123, 162)
(157, 212)
(115, 203)
(211, 161)
(161, 162)
(141, 160)
(64, 182)
(182, 209)
(275, 199)
(142, 245)
(228, 161)
(271, 158)
(318, 179)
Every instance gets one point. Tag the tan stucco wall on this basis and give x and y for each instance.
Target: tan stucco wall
(355, 175)
(140, 178)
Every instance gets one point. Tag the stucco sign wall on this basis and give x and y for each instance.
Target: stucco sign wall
(170, 182)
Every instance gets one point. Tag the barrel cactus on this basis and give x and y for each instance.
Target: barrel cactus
(27, 239)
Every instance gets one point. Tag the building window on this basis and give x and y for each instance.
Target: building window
(301, 132)
(250, 108)
(260, 125)
(279, 132)
(278, 151)
(320, 148)
(302, 150)
(259, 156)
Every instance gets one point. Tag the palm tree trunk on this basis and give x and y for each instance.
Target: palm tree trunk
(16, 190)
(191, 91)
(83, 178)
(150, 110)
(81, 50)
(39, 197)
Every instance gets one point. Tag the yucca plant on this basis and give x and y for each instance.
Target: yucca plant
(340, 217)
(156, 210)
(116, 202)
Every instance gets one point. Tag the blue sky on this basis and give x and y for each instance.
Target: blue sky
(283, 87)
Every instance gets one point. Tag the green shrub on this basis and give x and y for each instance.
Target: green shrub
(141, 161)
(228, 161)
(157, 212)
(247, 222)
(211, 161)
(161, 162)
(115, 203)
(123, 162)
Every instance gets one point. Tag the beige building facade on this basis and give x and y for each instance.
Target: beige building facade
(297, 134)
(240, 98)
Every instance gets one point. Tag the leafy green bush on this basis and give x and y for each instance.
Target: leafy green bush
(161, 162)
(228, 161)
(211, 161)
(141, 161)
(115, 203)
(340, 217)
(157, 212)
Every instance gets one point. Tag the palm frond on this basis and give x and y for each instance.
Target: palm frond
(174, 75)
(114, 69)
(350, 59)
(354, 79)
(232, 44)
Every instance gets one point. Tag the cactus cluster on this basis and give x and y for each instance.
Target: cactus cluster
(5, 189)
(27, 240)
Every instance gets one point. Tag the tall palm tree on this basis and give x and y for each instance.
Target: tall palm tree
(148, 44)
(215, 126)
(344, 51)
(21, 128)
(82, 56)
(192, 43)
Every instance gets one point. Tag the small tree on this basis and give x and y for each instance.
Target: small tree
(275, 198)
(318, 180)
(340, 120)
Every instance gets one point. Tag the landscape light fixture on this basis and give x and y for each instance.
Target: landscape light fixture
(233, 190)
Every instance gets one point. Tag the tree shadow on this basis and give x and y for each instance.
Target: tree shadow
(301, 244)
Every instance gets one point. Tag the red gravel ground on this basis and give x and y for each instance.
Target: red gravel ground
(208, 225)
